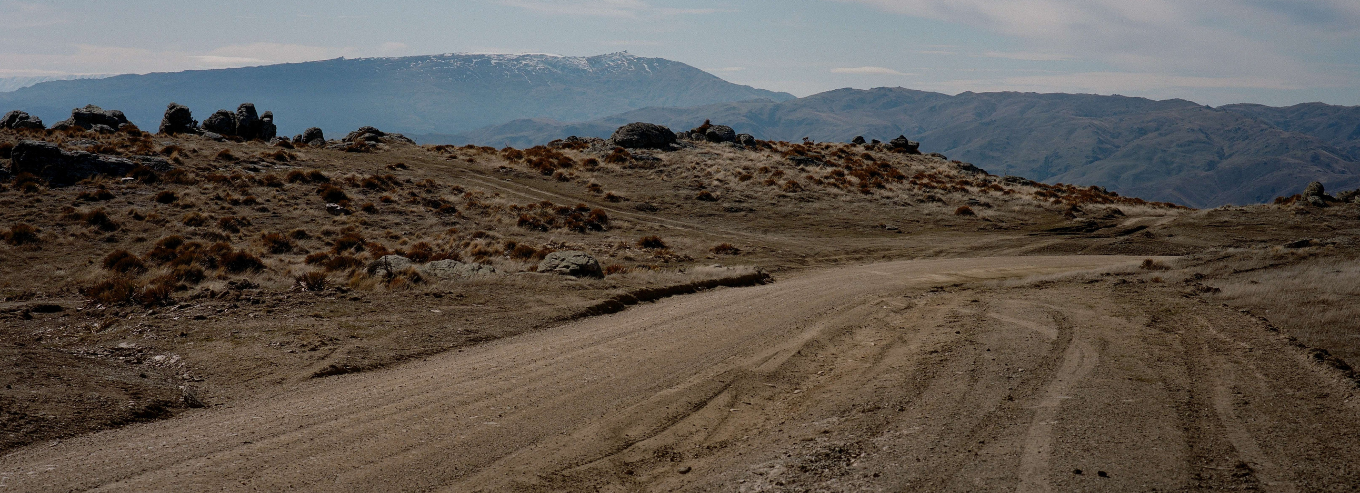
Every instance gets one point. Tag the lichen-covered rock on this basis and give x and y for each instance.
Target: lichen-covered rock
(642, 136)
(1314, 189)
(453, 269)
(311, 135)
(222, 122)
(746, 139)
(720, 133)
(859, 140)
(247, 121)
(19, 120)
(178, 119)
(389, 265)
(571, 263)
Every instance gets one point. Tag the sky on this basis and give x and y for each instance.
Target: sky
(1276, 52)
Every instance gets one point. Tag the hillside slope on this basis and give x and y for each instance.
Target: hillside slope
(1170, 150)
(421, 94)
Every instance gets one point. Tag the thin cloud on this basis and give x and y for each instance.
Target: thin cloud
(1222, 39)
(866, 71)
(604, 8)
(1028, 56)
(727, 69)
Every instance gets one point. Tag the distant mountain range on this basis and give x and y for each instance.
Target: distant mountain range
(414, 95)
(1173, 150)
(8, 84)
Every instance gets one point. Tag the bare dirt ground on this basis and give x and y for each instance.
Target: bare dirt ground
(952, 374)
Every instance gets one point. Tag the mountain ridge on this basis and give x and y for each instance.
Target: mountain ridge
(1170, 150)
(420, 94)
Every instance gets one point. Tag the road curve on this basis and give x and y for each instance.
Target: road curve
(848, 379)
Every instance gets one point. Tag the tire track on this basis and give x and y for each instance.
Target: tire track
(1078, 361)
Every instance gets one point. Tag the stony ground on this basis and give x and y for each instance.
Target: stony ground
(240, 288)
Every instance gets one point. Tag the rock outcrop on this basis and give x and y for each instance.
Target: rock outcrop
(642, 136)
(244, 123)
(178, 119)
(389, 266)
(573, 263)
(90, 116)
(63, 168)
(720, 133)
(372, 135)
(859, 140)
(19, 120)
(901, 144)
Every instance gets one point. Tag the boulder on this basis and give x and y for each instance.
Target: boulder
(312, 134)
(247, 121)
(366, 134)
(902, 144)
(338, 210)
(859, 140)
(720, 133)
(92, 115)
(746, 139)
(389, 265)
(1316, 201)
(642, 136)
(63, 168)
(1314, 189)
(267, 131)
(178, 119)
(453, 269)
(103, 129)
(222, 122)
(571, 263)
(214, 136)
(18, 120)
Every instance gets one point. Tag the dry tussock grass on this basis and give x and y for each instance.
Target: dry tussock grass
(1316, 299)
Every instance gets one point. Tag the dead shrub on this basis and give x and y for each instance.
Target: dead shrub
(651, 242)
(124, 262)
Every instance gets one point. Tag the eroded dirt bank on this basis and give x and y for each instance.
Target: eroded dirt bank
(918, 375)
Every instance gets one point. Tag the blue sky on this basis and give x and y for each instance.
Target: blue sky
(1214, 52)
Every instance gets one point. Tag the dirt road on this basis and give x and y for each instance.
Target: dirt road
(850, 379)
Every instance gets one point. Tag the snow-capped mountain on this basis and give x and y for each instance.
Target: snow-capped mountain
(446, 93)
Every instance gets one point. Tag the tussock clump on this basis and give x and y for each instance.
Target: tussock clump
(276, 243)
(310, 176)
(313, 281)
(1149, 264)
(726, 249)
(20, 234)
(651, 242)
(964, 210)
(166, 197)
(236, 261)
(226, 155)
(124, 262)
(100, 195)
(332, 194)
(194, 220)
(96, 218)
(546, 216)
